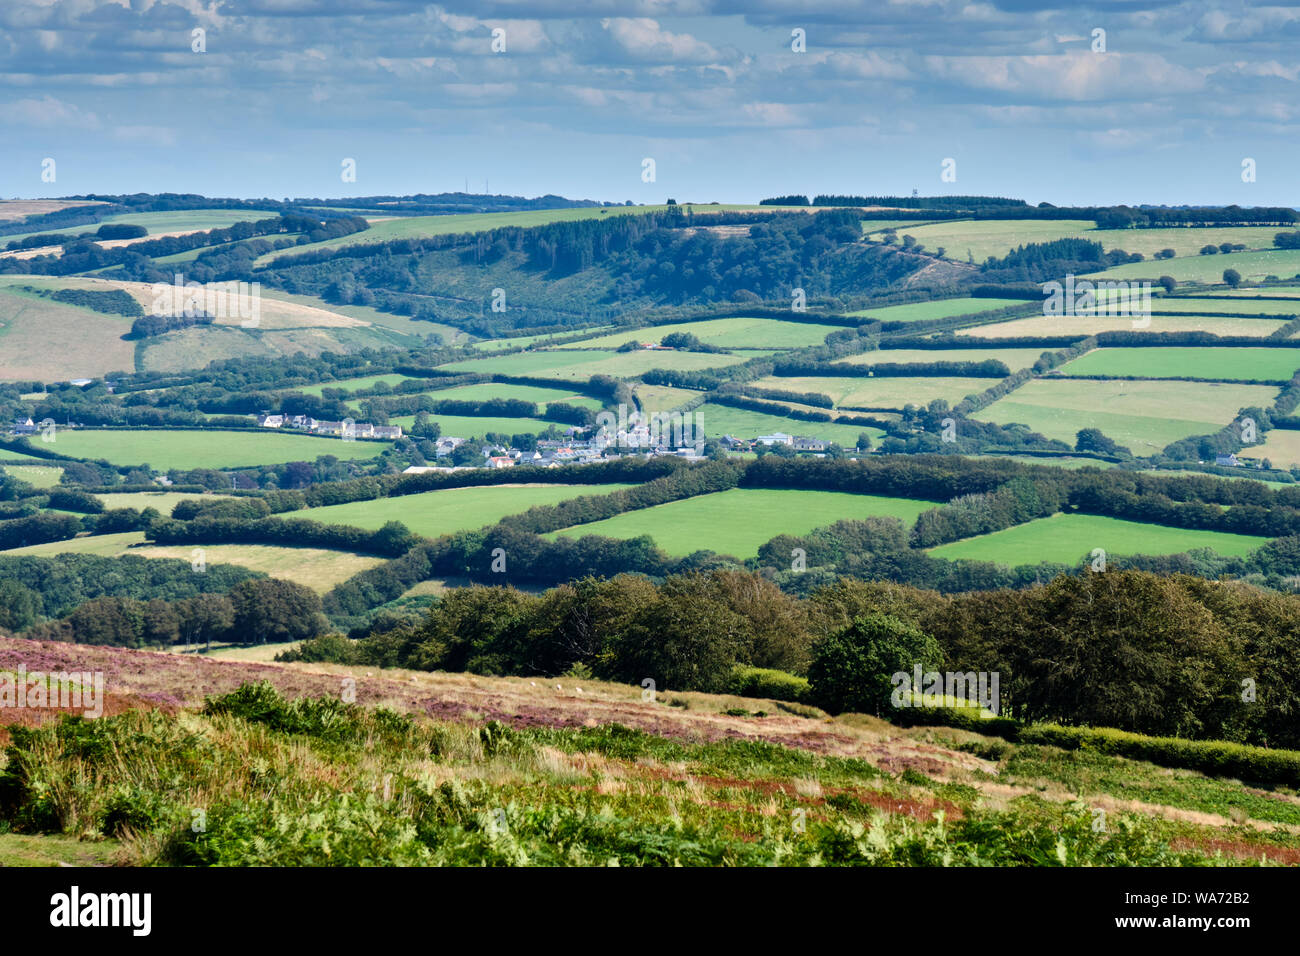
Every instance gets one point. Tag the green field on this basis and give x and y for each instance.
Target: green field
(934, 309)
(38, 476)
(719, 420)
(435, 513)
(895, 392)
(181, 220)
(317, 568)
(663, 398)
(354, 384)
(1283, 263)
(418, 227)
(724, 333)
(1069, 538)
(1187, 304)
(485, 391)
(1142, 416)
(738, 521)
(477, 426)
(569, 365)
(997, 237)
(1085, 325)
(185, 449)
(1257, 364)
(982, 238)
(161, 501)
(1015, 359)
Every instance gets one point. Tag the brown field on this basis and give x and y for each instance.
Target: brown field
(21, 208)
(50, 342)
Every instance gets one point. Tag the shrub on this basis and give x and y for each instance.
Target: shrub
(851, 669)
(768, 684)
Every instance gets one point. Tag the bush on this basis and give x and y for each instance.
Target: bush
(852, 669)
(768, 684)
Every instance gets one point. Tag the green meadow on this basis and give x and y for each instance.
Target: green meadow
(1143, 416)
(1259, 364)
(724, 333)
(739, 520)
(1070, 538)
(448, 510)
(186, 449)
(934, 309)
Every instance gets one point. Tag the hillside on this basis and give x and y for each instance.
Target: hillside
(568, 772)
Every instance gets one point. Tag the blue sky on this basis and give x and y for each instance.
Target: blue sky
(1013, 91)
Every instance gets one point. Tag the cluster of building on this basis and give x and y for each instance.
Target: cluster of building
(344, 429)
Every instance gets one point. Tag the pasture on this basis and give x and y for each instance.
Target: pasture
(316, 568)
(485, 391)
(51, 341)
(1281, 446)
(354, 384)
(1015, 358)
(420, 227)
(1257, 364)
(1085, 325)
(719, 420)
(724, 333)
(195, 448)
(478, 426)
(739, 520)
(568, 365)
(1143, 416)
(1187, 304)
(1283, 263)
(891, 392)
(934, 309)
(38, 476)
(448, 510)
(1071, 539)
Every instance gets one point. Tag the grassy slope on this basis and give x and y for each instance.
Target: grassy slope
(738, 521)
(1261, 364)
(452, 509)
(590, 773)
(1143, 416)
(199, 449)
(1068, 538)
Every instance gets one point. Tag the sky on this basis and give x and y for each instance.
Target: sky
(733, 100)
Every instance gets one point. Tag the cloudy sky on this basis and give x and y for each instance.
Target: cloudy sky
(1024, 95)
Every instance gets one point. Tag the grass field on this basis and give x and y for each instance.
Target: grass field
(1184, 304)
(51, 342)
(1283, 263)
(452, 509)
(484, 391)
(186, 449)
(1015, 359)
(38, 476)
(1085, 325)
(416, 227)
(894, 392)
(354, 384)
(1281, 446)
(1143, 416)
(662, 398)
(982, 238)
(738, 521)
(724, 333)
(997, 237)
(316, 568)
(162, 501)
(181, 220)
(934, 309)
(569, 365)
(719, 420)
(477, 426)
(1258, 364)
(1069, 538)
